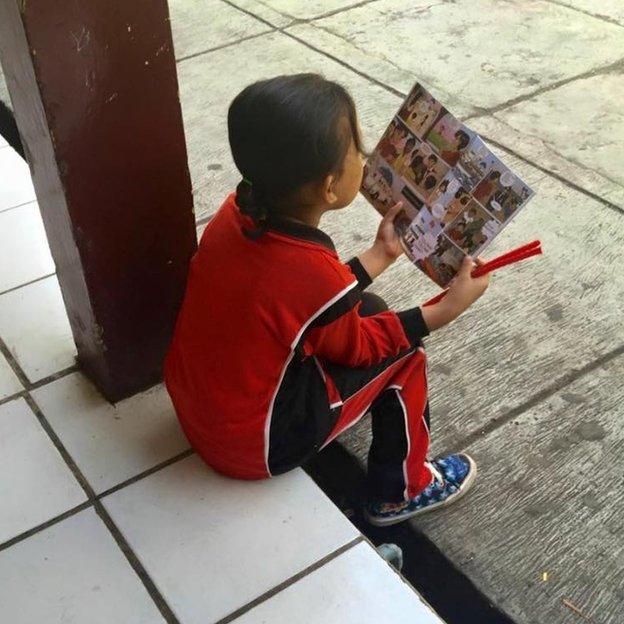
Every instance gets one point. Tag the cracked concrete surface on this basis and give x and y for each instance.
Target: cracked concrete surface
(548, 333)
(595, 141)
(530, 380)
(489, 52)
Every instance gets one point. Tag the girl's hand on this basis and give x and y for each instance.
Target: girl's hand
(387, 246)
(387, 240)
(465, 289)
(462, 293)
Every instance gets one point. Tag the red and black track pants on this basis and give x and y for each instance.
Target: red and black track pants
(394, 392)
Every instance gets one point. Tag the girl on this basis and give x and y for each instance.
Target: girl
(277, 348)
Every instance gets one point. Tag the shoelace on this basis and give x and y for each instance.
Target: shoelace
(436, 473)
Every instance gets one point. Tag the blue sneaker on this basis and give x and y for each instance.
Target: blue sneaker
(453, 476)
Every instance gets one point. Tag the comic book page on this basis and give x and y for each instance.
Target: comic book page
(457, 195)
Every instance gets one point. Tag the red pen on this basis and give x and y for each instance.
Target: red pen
(515, 255)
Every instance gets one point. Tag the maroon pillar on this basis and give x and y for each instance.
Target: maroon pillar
(94, 88)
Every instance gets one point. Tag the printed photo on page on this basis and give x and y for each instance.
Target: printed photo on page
(457, 195)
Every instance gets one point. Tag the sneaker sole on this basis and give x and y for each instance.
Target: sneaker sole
(463, 489)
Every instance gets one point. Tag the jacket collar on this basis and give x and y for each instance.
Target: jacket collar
(292, 228)
(301, 231)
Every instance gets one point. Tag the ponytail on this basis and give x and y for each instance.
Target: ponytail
(250, 205)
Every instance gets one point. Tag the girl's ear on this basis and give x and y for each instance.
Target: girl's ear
(329, 189)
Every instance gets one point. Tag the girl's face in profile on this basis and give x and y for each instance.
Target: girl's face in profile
(346, 186)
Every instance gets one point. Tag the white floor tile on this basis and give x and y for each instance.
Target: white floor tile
(358, 587)
(35, 483)
(3, 142)
(34, 325)
(9, 383)
(24, 251)
(72, 572)
(111, 443)
(212, 544)
(15, 184)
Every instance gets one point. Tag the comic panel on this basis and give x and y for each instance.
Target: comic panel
(377, 184)
(423, 168)
(474, 163)
(501, 192)
(383, 187)
(420, 111)
(473, 228)
(450, 137)
(442, 265)
(411, 207)
(449, 198)
(421, 238)
(393, 142)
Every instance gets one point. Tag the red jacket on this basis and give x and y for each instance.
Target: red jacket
(259, 318)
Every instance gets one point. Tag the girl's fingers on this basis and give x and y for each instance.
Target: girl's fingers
(393, 212)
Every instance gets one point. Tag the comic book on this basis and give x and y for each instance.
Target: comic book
(457, 195)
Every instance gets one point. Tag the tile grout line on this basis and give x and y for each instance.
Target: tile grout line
(602, 18)
(333, 12)
(13, 397)
(272, 27)
(34, 281)
(258, 17)
(20, 537)
(135, 563)
(92, 498)
(546, 393)
(35, 385)
(31, 201)
(146, 473)
(89, 503)
(60, 447)
(292, 580)
(95, 501)
(23, 378)
(39, 384)
(15, 366)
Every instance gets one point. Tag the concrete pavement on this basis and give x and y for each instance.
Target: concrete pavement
(528, 380)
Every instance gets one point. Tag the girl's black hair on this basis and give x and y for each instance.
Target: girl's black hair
(430, 182)
(285, 132)
(462, 139)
